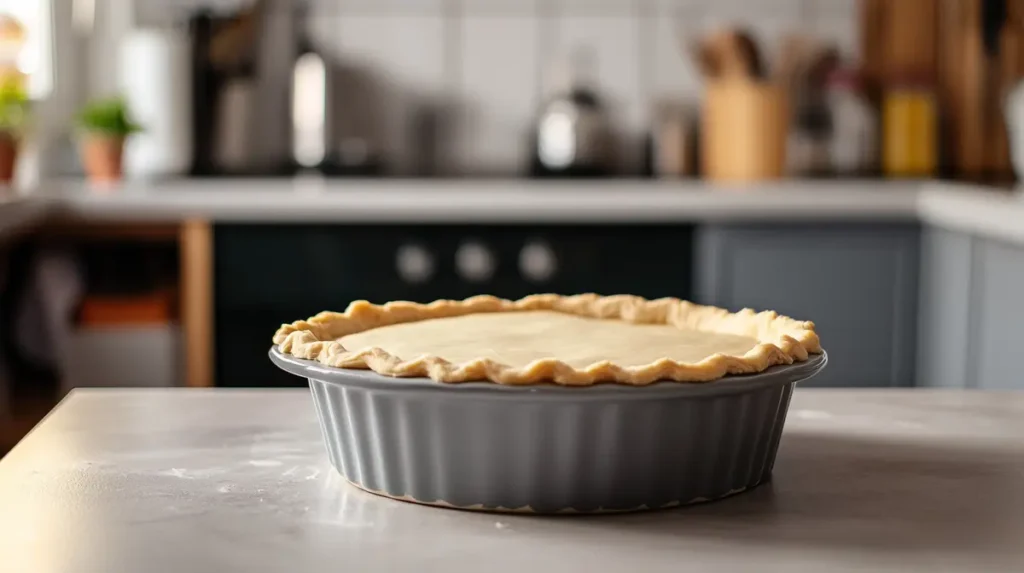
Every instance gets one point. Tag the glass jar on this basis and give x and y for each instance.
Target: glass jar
(910, 146)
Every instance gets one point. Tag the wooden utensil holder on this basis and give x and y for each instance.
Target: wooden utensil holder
(744, 128)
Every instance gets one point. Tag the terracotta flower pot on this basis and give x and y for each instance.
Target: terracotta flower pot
(101, 157)
(8, 157)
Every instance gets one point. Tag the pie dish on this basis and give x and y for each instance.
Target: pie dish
(551, 404)
(570, 340)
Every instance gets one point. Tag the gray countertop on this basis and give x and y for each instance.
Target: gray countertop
(233, 480)
(988, 212)
(984, 211)
(458, 200)
(19, 212)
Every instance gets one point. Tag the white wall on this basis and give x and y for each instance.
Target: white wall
(487, 60)
(491, 57)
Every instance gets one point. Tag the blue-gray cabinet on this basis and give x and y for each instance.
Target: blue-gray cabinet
(858, 283)
(944, 315)
(970, 330)
(996, 348)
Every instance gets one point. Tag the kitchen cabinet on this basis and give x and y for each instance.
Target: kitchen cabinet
(944, 316)
(266, 275)
(858, 283)
(970, 313)
(997, 306)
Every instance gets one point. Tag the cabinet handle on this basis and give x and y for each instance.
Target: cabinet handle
(537, 261)
(475, 262)
(414, 263)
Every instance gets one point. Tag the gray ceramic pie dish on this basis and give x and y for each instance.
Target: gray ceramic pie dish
(548, 448)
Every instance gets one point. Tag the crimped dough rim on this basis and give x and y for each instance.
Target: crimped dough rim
(781, 340)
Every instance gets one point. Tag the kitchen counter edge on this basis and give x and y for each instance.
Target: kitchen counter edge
(985, 211)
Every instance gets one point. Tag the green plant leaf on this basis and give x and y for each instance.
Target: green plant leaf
(108, 116)
(14, 106)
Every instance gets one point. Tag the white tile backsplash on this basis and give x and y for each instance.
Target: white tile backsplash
(673, 5)
(837, 20)
(393, 64)
(375, 7)
(613, 44)
(408, 49)
(767, 20)
(497, 91)
(599, 7)
(673, 74)
(750, 13)
(490, 60)
(499, 7)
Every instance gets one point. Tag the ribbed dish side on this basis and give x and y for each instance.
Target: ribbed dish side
(529, 454)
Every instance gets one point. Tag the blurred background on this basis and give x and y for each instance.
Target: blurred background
(183, 176)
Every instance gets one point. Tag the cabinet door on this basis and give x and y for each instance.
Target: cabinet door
(944, 315)
(997, 296)
(266, 275)
(858, 284)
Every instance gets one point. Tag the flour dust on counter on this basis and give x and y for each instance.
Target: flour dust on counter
(267, 275)
(852, 491)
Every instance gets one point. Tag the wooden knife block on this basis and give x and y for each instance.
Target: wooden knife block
(744, 128)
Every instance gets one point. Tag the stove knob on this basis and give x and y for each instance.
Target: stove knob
(414, 263)
(537, 261)
(475, 262)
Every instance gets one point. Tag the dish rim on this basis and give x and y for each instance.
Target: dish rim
(732, 384)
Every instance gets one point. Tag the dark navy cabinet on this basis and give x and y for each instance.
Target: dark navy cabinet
(266, 275)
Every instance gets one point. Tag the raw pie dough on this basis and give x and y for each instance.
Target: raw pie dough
(577, 340)
(517, 339)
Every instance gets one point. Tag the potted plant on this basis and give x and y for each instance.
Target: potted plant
(105, 124)
(14, 110)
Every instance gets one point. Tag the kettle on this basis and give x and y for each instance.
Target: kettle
(572, 133)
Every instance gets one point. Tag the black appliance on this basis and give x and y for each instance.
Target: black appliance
(267, 275)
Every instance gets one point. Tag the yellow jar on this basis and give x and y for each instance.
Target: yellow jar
(910, 146)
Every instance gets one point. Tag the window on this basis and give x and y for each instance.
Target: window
(35, 56)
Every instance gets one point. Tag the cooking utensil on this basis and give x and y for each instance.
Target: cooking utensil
(743, 131)
(735, 54)
(822, 62)
(704, 58)
(747, 51)
(573, 132)
(549, 449)
(993, 19)
(795, 53)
